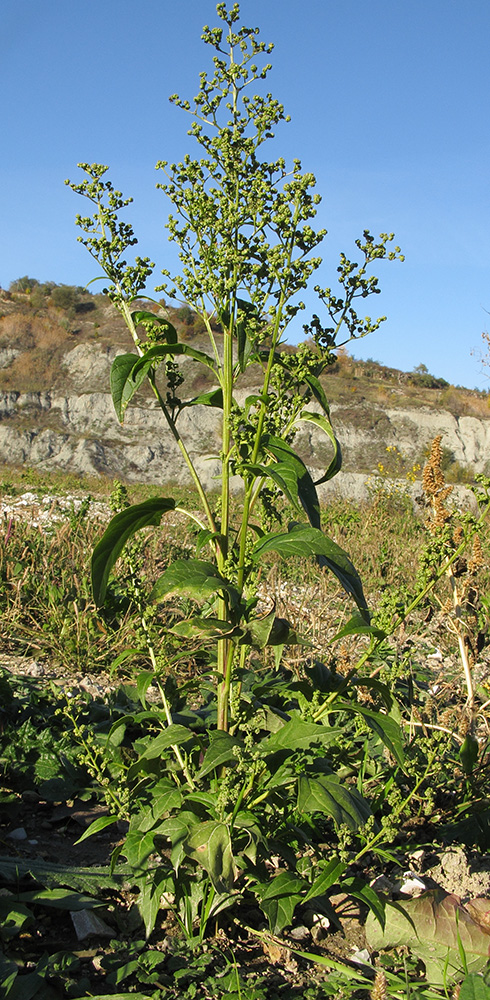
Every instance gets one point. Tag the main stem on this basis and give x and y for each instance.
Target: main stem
(225, 646)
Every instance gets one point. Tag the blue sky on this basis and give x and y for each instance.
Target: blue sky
(389, 102)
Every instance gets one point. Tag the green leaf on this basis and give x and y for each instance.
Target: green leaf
(318, 392)
(297, 735)
(384, 726)
(14, 917)
(204, 537)
(249, 318)
(304, 540)
(474, 987)
(98, 824)
(294, 471)
(143, 682)
(326, 795)
(206, 628)
(138, 846)
(279, 898)
(119, 530)
(116, 996)
(59, 899)
(220, 751)
(149, 902)
(89, 880)
(165, 797)
(281, 475)
(8, 973)
(162, 351)
(468, 753)
(173, 736)
(330, 874)
(210, 845)
(324, 424)
(165, 329)
(212, 398)
(357, 625)
(29, 985)
(362, 891)
(125, 381)
(193, 578)
(269, 631)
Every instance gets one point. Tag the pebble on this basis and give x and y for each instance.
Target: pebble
(17, 834)
(87, 924)
(300, 933)
(35, 669)
(362, 957)
(30, 796)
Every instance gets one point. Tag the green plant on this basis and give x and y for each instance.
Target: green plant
(252, 766)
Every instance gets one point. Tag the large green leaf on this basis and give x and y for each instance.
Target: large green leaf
(330, 874)
(278, 899)
(297, 735)
(149, 904)
(59, 899)
(220, 751)
(294, 472)
(281, 474)
(209, 844)
(324, 424)
(125, 382)
(212, 398)
(474, 987)
(165, 797)
(205, 628)
(269, 631)
(305, 540)
(358, 626)
(388, 731)
(90, 880)
(193, 578)
(438, 928)
(174, 735)
(248, 321)
(164, 329)
(162, 351)
(138, 847)
(122, 527)
(176, 829)
(326, 795)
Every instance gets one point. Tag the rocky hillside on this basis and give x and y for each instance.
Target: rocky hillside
(57, 344)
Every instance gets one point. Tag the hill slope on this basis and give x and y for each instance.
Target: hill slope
(57, 344)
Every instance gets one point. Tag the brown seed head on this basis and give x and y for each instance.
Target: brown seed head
(380, 986)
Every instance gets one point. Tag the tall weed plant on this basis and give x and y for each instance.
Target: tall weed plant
(251, 764)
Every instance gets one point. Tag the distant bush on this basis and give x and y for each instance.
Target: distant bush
(185, 315)
(422, 377)
(65, 296)
(24, 284)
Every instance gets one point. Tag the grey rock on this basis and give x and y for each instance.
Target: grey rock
(88, 924)
(17, 834)
(77, 429)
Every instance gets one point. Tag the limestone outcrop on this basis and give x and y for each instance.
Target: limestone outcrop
(77, 429)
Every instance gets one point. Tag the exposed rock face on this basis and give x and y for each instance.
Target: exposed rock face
(77, 429)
